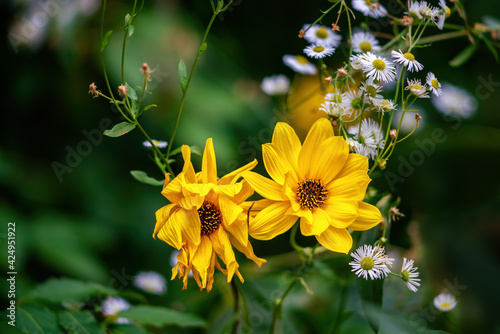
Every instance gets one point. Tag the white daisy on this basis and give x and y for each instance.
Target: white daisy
(455, 101)
(353, 145)
(364, 42)
(157, 143)
(370, 8)
(318, 51)
(371, 137)
(321, 35)
(443, 14)
(356, 62)
(370, 262)
(112, 305)
(417, 89)
(352, 101)
(378, 68)
(366, 151)
(428, 12)
(150, 281)
(299, 64)
(433, 84)
(371, 88)
(409, 275)
(275, 85)
(414, 10)
(408, 60)
(333, 105)
(382, 105)
(445, 302)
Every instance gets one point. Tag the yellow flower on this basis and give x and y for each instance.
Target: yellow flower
(320, 182)
(205, 219)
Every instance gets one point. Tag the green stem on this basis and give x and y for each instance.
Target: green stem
(201, 48)
(125, 42)
(278, 303)
(442, 37)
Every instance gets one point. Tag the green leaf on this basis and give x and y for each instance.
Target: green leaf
(106, 39)
(150, 106)
(194, 150)
(141, 176)
(131, 92)
(182, 75)
(161, 316)
(463, 56)
(35, 318)
(58, 290)
(120, 129)
(491, 48)
(130, 30)
(128, 329)
(80, 322)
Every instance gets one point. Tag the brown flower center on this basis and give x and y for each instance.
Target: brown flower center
(210, 218)
(311, 194)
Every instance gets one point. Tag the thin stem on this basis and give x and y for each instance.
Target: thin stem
(125, 37)
(201, 48)
(236, 294)
(442, 37)
(293, 242)
(278, 303)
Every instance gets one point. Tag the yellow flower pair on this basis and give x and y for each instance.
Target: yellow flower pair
(319, 182)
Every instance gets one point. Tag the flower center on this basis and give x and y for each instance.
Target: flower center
(379, 64)
(301, 60)
(417, 87)
(321, 33)
(386, 105)
(367, 263)
(210, 218)
(409, 56)
(445, 305)
(356, 103)
(311, 194)
(405, 276)
(336, 98)
(372, 91)
(369, 3)
(435, 83)
(365, 46)
(318, 49)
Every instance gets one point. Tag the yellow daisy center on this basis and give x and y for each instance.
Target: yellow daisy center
(409, 56)
(210, 218)
(368, 2)
(318, 48)
(447, 12)
(445, 305)
(372, 91)
(367, 263)
(405, 275)
(386, 105)
(417, 87)
(311, 194)
(379, 64)
(321, 33)
(435, 83)
(301, 60)
(365, 46)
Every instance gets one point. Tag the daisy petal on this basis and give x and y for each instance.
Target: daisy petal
(276, 163)
(247, 250)
(188, 169)
(209, 167)
(222, 247)
(201, 259)
(320, 222)
(234, 175)
(342, 212)
(329, 159)
(162, 216)
(171, 233)
(189, 221)
(320, 131)
(265, 187)
(286, 139)
(229, 210)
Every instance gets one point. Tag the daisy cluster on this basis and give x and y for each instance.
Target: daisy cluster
(371, 262)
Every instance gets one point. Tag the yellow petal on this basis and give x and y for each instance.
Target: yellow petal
(228, 190)
(191, 202)
(208, 164)
(238, 230)
(342, 212)
(222, 246)
(354, 163)
(211, 270)
(188, 169)
(245, 192)
(229, 210)
(368, 217)
(201, 259)
(201, 189)
(189, 223)
(276, 163)
(320, 222)
(247, 250)
(352, 186)
(265, 187)
(162, 215)
(167, 180)
(171, 232)
(272, 221)
(328, 159)
(234, 175)
(285, 138)
(336, 239)
(320, 131)
(173, 191)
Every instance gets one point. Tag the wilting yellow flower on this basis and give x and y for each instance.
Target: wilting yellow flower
(205, 219)
(320, 182)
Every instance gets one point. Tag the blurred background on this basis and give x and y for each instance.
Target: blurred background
(80, 214)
